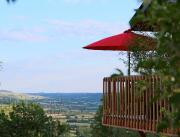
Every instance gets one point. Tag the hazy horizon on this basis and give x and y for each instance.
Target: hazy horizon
(51, 91)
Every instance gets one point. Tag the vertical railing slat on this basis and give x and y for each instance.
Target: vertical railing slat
(121, 103)
(150, 105)
(114, 100)
(136, 116)
(157, 103)
(109, 102)
(134, 103)
(131, 102)
(153, 80)
(125, 105)
(123, 93)
(147, 106)
(128, 102)
(143, 108)
(140, 106)
(104, 101)
(117, 100)
(112, 105)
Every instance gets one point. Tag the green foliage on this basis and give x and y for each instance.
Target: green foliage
(29, 120)
(98, 130)
(4, 121)
(164, 61)
(83, 132)
(62, 129)
(117, 74)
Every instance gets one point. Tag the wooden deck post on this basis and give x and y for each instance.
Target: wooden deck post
(142, 134)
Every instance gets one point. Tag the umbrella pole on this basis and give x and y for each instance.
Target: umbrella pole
(129, 66)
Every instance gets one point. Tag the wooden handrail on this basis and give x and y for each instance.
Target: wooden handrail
(127, 105)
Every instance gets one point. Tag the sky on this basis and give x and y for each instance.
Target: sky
(41, 43)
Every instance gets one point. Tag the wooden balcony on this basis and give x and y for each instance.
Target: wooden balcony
(125, 106)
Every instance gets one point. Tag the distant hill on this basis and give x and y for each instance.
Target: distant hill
(15, 95)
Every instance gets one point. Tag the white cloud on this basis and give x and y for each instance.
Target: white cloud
(56, 29)
(86, 28)
(22, 35)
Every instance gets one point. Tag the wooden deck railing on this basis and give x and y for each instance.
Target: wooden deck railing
(124, 105)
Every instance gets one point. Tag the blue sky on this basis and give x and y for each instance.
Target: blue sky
(41, 43)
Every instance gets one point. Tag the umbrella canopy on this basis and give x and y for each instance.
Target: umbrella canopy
(126, 41)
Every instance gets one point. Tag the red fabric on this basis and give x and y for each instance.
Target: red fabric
(121, 42)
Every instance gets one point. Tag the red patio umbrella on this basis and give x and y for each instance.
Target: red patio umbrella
(126, 41)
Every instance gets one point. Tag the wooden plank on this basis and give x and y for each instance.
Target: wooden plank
(115, 100)
(146, 106)
(134, 103)
(114, 97)
(118, 101)
(111, 99)
(150, 104)
(136, 116)
(131, 101)
(157, 102)
(109, 102)
(106, 95)
(124, 102)
(153, 92)
(104, 110)
(143, 108)
(125, 93)
(116, 115)
(128, 103)
(157, 85)
(140, 107)
(104, 101)
(121, 102)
